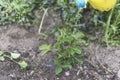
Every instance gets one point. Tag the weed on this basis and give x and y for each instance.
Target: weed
(67, 47)
(112, 32)
(111, 27)
(15, 11)
(13, 57)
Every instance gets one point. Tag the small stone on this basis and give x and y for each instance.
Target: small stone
(58, 78)
(78, 72)
(118, 74)
(56, 34)
(12, 75)
(80, 67)
(108, 76)
(67, 73)
(32, 72)
(85, 67)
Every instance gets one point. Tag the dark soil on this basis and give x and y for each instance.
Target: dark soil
(100, 63)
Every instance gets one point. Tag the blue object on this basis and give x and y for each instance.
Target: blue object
(80, 3)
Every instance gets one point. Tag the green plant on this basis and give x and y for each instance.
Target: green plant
(44, 49)
(112, 33)
(13, 57)
(111, 27)
(67, 47)
(103, 27)
(67, 10)
(15, 11)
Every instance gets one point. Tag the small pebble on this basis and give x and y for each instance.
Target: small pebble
(67, 73)
(12, 75)
(32, 72)
(118, 74)
(80, 67)
(58, 78)
(108, 76)
(85, 67)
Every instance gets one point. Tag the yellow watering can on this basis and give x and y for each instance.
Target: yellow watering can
(101, 5)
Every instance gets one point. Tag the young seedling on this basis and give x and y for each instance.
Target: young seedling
(13, 57)
(68, 49)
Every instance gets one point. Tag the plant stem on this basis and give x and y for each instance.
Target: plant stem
(40, 27)
(117, 18)
(11, 59)
(108, 26)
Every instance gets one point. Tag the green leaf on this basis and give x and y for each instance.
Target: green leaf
(57, 61)
(78, 60)
(77, 50)
(2, 58)
(2, 3)
(59, 56)
(15, 55)
(56, 46)
(22, 64)
(44, 49)
(59, 38)
(44, 52)
(67, 66)
(58, 70)
(72, 52)
(64, 53)
(1, 53)
(79, 35)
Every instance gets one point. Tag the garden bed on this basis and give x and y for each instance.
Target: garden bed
(100, 63)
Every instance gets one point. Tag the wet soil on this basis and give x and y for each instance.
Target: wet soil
(100, 63)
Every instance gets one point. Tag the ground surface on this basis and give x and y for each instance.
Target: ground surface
(100, 63)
